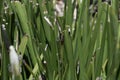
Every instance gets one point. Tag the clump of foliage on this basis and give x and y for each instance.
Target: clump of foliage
(73, 46)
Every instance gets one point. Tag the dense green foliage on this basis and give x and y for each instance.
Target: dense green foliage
(61, 48)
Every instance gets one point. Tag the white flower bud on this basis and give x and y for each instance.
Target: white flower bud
(14, 61)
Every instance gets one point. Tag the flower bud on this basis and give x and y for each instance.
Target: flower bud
(14, 61)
